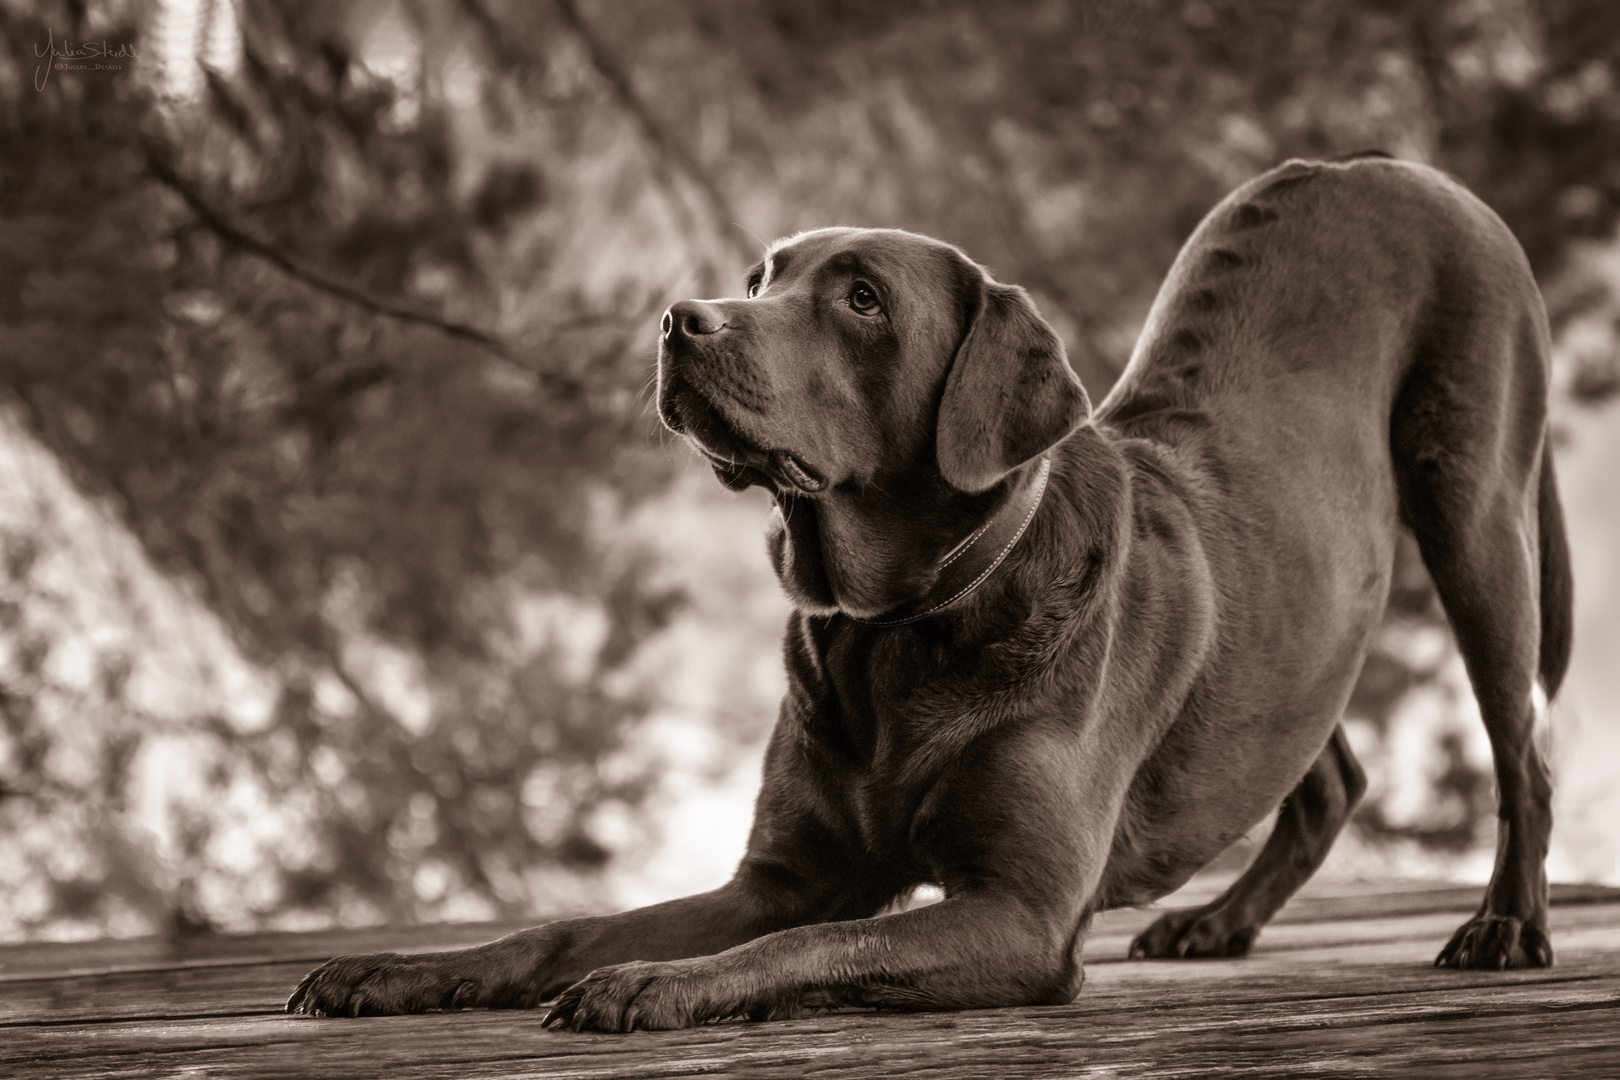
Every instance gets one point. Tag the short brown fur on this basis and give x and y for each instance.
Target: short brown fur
(1164, 655)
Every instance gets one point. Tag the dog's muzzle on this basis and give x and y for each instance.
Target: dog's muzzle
(738, 460)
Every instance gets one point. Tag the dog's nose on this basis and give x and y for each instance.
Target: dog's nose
(692, 318)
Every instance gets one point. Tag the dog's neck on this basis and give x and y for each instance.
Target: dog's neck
(896, 563)
(968, 565)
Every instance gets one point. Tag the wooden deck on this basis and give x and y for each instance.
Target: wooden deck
(1339, 985)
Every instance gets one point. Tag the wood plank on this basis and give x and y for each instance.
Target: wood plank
(259, 989)
(215, 991)
(256, 989)
(1316, 903)
(1329, 990)
(253, 985)
(33, 959)
(1484, 1031)
(1341, 924)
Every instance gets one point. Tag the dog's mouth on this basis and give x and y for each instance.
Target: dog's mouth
(737, 460)
(782, 471)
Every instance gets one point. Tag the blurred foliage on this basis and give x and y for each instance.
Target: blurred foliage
(351, 326)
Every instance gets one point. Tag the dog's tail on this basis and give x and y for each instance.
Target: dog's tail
(1557, 582)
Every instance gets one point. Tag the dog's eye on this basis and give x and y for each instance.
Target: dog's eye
(864, 300)
(754, 282)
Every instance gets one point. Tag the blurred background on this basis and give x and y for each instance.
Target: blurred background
(345, 575)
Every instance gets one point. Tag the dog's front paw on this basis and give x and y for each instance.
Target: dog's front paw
(649, 996)
(383, 984)
(1496, 942)
(1193, 933)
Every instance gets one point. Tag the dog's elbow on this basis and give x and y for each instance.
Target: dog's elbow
(1061, 986)
(1042, 976)
(1062, 972)
(1040, 955)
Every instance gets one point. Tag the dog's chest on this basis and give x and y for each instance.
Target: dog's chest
(880, 715)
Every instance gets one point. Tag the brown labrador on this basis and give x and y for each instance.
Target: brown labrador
(1056, 660)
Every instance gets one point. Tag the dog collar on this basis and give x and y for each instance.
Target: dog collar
(972, 561)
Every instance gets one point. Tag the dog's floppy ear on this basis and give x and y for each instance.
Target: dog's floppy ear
(1010, 394)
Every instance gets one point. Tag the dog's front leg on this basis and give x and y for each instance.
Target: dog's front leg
(1018, 831)
(797, 870)
(977, 951)
(531, 966)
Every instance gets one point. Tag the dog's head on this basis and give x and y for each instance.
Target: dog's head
(880, 384)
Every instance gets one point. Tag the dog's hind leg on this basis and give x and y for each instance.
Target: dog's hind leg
(1486, 581)
(1469, 446)
(1485, 568)
(1307, 823)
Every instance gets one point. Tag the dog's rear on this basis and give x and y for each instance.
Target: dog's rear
(1470, 441)
(1382, 284)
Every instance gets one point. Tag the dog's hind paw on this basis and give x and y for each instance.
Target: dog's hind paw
(1495, 943)
(1193, 933)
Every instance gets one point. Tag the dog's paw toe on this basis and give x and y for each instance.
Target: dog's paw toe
(625, 997)
(1194, 933)
(1496, 943)
(383, 984)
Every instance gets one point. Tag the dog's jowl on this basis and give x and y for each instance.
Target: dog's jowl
(1055, 659)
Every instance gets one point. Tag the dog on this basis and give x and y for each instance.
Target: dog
(1055, 660)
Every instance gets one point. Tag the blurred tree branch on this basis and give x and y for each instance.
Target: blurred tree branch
(294, 267)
